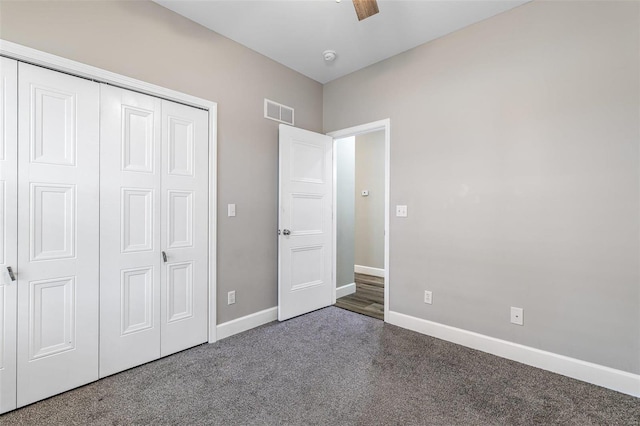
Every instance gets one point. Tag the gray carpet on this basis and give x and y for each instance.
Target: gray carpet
(333, 367)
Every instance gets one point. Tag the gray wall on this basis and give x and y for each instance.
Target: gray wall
(148, 42)
(369, 212)
(345, 210)
(514, 143)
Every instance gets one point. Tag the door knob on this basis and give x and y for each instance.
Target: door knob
(11, 274)
(164, 257)
(286, 232)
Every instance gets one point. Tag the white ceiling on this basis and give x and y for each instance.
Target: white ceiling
(296, 32)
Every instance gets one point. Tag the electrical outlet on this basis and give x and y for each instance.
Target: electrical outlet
(428, 297)
(401, 211)
(517, 316)
(231, 297)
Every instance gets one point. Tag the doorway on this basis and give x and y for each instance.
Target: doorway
(361, 218)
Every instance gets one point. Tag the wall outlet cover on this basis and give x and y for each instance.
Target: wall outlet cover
(428, 297)
(231, 297)
(517, 316)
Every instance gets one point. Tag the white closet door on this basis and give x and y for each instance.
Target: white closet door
(184, 226)
(58, 228)
(130, 229)
(8, 230)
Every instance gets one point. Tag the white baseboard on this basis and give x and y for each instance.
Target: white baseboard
(245, 323)
(345, 290)
(596, 374)
(368, 270)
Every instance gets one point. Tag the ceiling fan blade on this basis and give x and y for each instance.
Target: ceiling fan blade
(365, 8)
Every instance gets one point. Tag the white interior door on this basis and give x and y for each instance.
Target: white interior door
(130, 252)
(304, 223)
(185, 201)
(8, 230)
(58, 228)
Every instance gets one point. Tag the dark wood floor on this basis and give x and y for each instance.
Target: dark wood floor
(368, 298)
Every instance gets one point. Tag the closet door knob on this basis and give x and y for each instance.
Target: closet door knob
(11, 274)
(164, 257)
(286, 232)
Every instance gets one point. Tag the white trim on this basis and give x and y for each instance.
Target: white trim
(345, 290)
(334, 221)
(596, 374)
(248, 322)
(213, 219)
(57, 63)
(368, 270)
(359, 130)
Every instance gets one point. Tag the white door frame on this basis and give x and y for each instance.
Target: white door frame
(354, 131)
(57, 63)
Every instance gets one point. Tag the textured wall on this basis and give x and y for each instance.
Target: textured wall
(145, 41)
(369, 211)
(514, 143)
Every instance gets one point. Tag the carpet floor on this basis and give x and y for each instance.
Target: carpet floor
(333, 367)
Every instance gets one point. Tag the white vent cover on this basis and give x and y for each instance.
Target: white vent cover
(278, 112)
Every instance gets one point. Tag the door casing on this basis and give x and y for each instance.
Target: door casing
(345, 133)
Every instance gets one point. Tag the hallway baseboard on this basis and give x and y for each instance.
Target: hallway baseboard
(345, 290)
(368, 270)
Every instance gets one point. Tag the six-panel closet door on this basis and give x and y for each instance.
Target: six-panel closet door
(103, 231)
(58, 220)
(130, 253)
(8, 230)
(184, 235)
(153, 233)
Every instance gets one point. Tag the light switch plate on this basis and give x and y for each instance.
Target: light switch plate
(401, 211)
(231, 210)
(365, 193)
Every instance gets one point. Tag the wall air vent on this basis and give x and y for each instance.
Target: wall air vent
(278, 112)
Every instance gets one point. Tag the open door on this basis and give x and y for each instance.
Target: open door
(304, 222)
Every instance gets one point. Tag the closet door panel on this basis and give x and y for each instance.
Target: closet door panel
(130, 250)
(185, 200)
(58, 258)
(8, 230)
